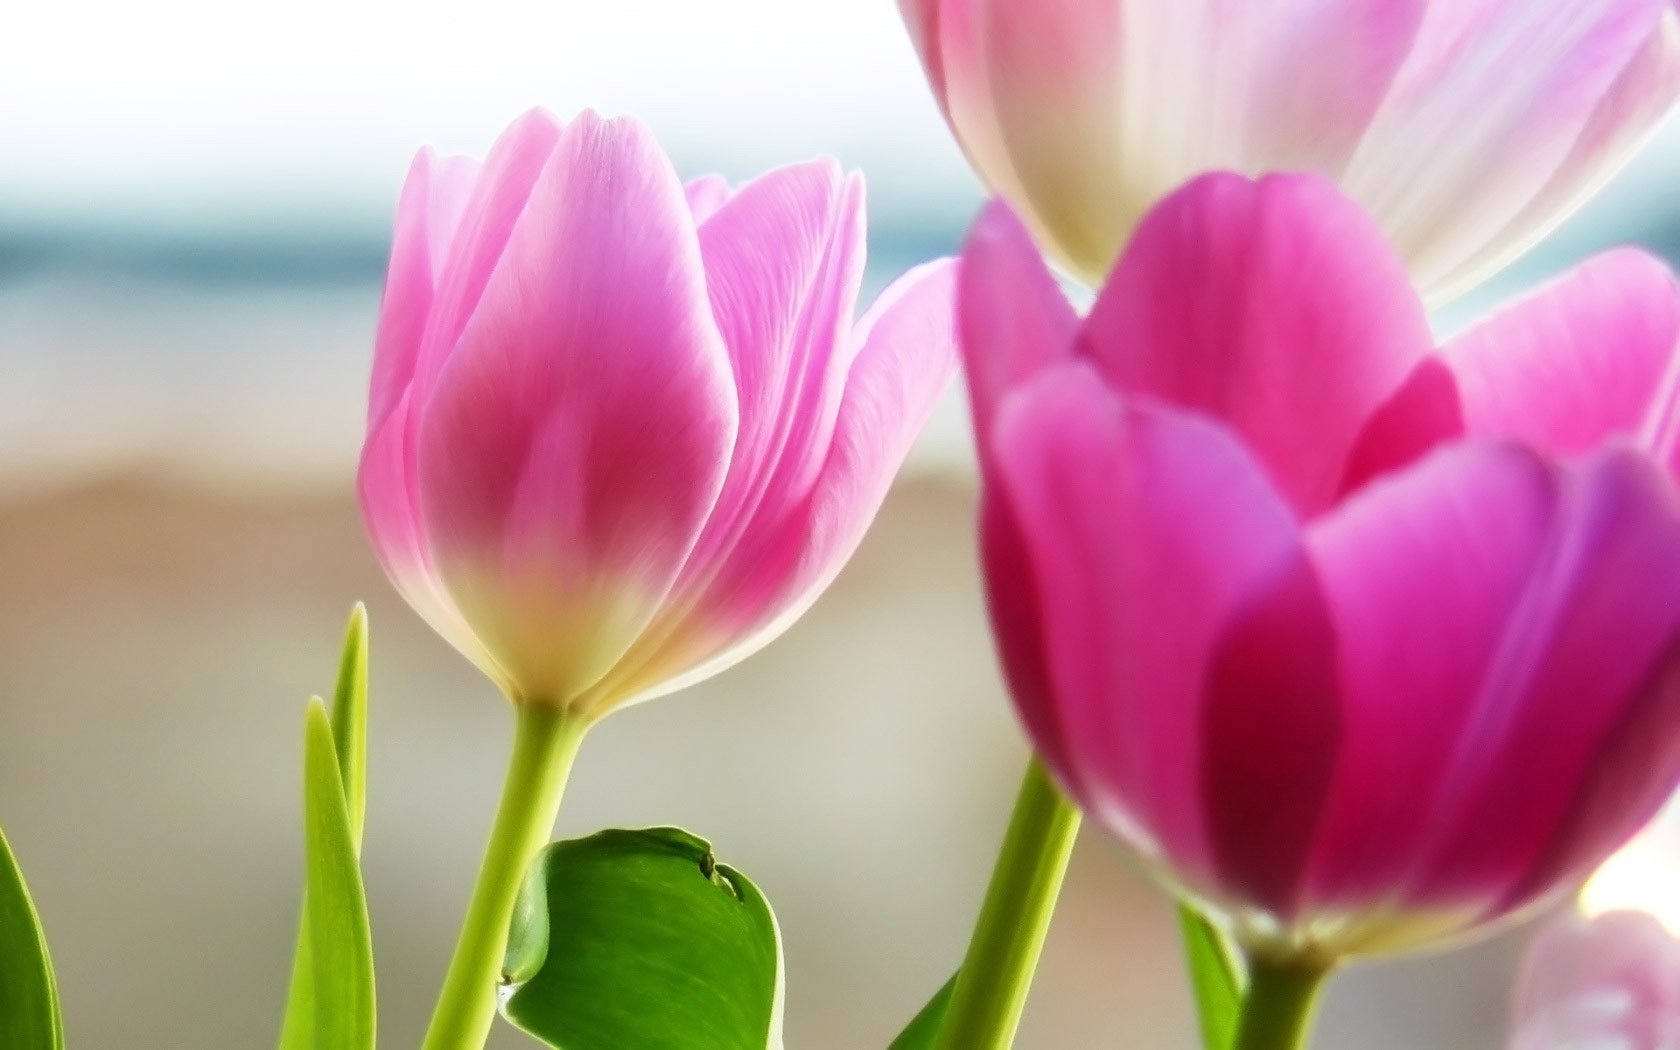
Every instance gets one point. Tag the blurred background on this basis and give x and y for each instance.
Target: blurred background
(194, 205)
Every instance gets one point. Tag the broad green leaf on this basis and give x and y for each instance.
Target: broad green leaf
(349, 731)
(923, 1029)
(29, 1018)
(1214, 977)
(641, 939)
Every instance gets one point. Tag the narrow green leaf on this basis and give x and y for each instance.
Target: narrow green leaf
(349, 730)
(29, 1018)
(339, 941)
(641, 939)
(349, 719)
(923, 1029)
(1214, 977)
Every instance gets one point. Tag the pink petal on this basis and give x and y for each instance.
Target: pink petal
(1624, 119)
(580, 433)
(787, 559)
(1082, 114)
(1612, 981)
(1250, 300)
(428, 213)
(1594, 355)
(387, 489)
(706, 195)
(1502, 626)
(784, 258)
(1014, 319)
(1487, 109)
(1143, 529)
(499, 196)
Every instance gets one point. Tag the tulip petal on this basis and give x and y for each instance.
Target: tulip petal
(706, 195)
(1624, 119)
(1144, 528)
(1612, 981)
(1484, 114)
(784, 259)
(1422, 572)
(1595, 355)
(499, 197)
(1083, 114)
(1592, 357)
(1014, 319)
(785, 561)
(1249, 300)
(386, 490)
(1272, 733)
(1500, 622)
(428, 214)
(579, 435)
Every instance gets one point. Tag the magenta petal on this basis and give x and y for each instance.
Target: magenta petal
(1501, 623)
(1422, 572)
(1142, 529)
(579, 435)
(428, 213)
(1249, 300)
(1594, 355)
(1014, 319)
(1272, 735)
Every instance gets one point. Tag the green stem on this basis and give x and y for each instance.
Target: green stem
(544, 743)
(992, 984)
(1277, 1012)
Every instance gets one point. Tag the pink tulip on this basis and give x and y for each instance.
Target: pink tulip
(622, 432)
(1468, 128)
(1605, 983)
(1363, 644)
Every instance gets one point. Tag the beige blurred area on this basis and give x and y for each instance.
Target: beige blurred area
(158, 641)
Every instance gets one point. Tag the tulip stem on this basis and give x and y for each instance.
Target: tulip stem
(1277, 1012)
(991, 987)
(545, 741)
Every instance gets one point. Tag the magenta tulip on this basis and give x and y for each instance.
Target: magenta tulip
(1467, 127)
(621, 431)
(1361, 644)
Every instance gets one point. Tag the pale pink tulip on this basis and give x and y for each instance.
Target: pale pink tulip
(1362, 644)
(621, 433)
(1611, 982)
(1468, 128)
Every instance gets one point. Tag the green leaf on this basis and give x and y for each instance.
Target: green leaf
(339, 941)
(349, 735)
(1214, 976)
(923, 1029)
(349, 719)
(29, 1018)
(641, 939)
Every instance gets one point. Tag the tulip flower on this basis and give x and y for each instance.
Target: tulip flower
(1468, 128)
(1606, 975)
(1610, 982)
(1361, 644)
(621, 433)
